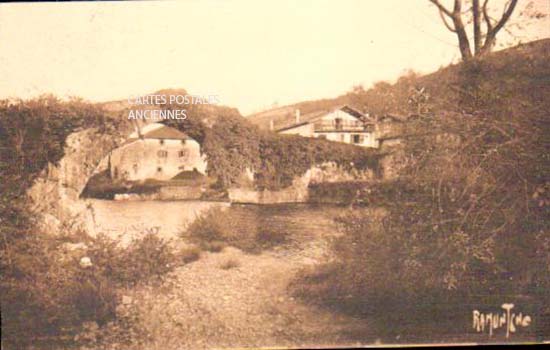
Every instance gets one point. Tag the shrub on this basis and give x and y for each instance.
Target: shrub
(233, 144)
(145, 258)
(230, 264)
(189, 255)
(346, 192)
(47, 296)
(468, 212)
(243, 227)
(269, 236)
(214, 246)
(209, 227)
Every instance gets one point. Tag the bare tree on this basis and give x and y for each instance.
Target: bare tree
(484, 38)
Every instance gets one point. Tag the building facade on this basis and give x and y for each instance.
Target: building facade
(342, 124)
(156, 152)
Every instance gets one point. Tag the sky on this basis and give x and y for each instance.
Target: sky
(251, 54)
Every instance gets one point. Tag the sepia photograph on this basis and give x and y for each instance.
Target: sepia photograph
(275, 174)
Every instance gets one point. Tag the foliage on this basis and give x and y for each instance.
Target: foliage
(468, 214)
(33, 133)
(190, 254)
(283, 157)
(145, 258)
(43, 295)
(232, 145)
(244, 227)
(230, 264)
(47, 295)
(343, 192)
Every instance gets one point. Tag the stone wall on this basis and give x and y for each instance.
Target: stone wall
(55, 194)
(165, 193)
(298, 192)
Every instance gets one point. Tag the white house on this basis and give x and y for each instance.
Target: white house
(342, 124)
(156, 152)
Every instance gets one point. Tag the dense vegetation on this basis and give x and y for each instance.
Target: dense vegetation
(232, 145)
(467, 219)
(251, 229)
(46, 293)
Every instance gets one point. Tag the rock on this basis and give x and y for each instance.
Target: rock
(90, 326)
(126, 300)
(55, 193)
(71, 247)
(85, 262)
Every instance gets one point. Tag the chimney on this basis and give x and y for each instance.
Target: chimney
(297, 116)
(271, 126)
(138, 129)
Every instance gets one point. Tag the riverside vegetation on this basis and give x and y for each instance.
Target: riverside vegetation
(464, 224)
(47, 296)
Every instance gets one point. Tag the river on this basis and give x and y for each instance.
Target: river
(125, 220)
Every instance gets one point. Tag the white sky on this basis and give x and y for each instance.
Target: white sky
(249, 53)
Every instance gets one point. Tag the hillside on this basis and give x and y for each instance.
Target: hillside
(205, 113)
(467, 224)
(517, 66)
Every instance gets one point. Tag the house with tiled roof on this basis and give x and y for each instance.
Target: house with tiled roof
(158, 152)
(342, 124)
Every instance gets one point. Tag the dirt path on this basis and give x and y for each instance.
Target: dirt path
(205, 304)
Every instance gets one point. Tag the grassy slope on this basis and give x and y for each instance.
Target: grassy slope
(524, 68)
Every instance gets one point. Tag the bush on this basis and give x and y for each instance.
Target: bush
(243, 227)
(269, 236)
(467, 214)
(233, 144)
(47, 295)
(230, 264)
(214, 246)
(189, 255)
(346, 192)
(145, 258)
(220, 227)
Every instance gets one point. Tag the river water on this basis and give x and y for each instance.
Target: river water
(125, 220)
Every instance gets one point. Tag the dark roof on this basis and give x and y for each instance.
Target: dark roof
(166, 132)
(310, 117)
(291, 126)
(393, 117)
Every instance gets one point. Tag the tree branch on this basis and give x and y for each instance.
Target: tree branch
(444, 19)
(491, 34)
(463, 42)
(486, 17)
(505, 16)
(442, 8)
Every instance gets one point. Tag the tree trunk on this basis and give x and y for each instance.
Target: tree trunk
(477, 26)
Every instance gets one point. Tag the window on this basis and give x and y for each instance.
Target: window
(182, 153)
(342, 138)
(357, 139)
(162, 154)
(159, 169)
(338, 123)
(183, 142)
(161, 141)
